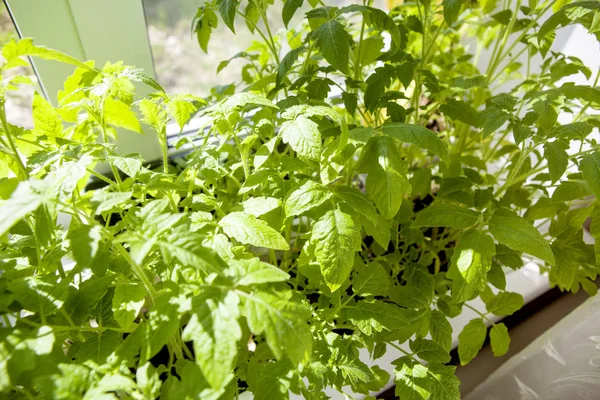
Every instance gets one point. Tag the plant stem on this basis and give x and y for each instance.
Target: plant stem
(165, 155)
(271, 40)
(509, 180)
(357, 66)
(101, 177)
(11, 143)
(484, 316)
(401, 349)
(137, 270)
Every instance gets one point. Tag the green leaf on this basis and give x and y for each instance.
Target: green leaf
(412, 380)
(444, 383)
(386, 180)
(429, 351)
(570, 255)
(252, 271)
(120, 115)
(460, 111)
(26, 198)
(355, 372)
(409, 296)
(318, 89)
(44, 226)
(127, 303)
(445, 215)
(441, 330)
(419, 136)
(451, 10)
(290, 58)
(181, 110)
(356, 200)
(282, 321)
(85, 240)
(590, 167)
(574, 130)
(371, 50)
(185, 246)
(108, 201)
(518, 234)
(504, 100)
(258, 206)
(81, 303)
(96, 347)
(215, 331)
(333, 40)
(595, 232)
(289, 9)
(25, 47)
(305, 198)
(153, 115)
(521, 132)
(505, 303)
(248, 229)
(557, 158)
(238, 101)
(378, 228)
(36, 294)
(336, 239)
(206, 20)
(471, 340)
(303, 136)
(45, 118)
(130, 166)
(370, 280)
(470, 263)
(491, 119)
(350, 102)
(161, 324)
(496, 276)
(499, 339)
(375, 315)
(571, 190)
(503, 16)
(228, 9)
(138, 75)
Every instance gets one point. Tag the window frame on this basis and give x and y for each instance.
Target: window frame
(89, 30)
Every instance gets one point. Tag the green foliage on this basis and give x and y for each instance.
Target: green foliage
(348, 194)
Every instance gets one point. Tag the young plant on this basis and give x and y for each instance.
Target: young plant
(363, 184)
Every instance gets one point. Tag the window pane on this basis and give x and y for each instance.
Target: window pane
(18, 103)
(181, 66)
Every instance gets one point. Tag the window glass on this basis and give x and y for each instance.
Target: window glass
(180, 65)
(18, 103)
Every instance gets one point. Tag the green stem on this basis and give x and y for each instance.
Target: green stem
(266, 40)
(101, 177)
(137, 270)
(514, 58)
(484, 316)
(401, 349)
(271, 40)
(165, 155)
(339, 308)
(190, 188)
(11, 143)
(509, 180)
(306, 61)
(243, 156)
(357, 66)
(526, 30)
